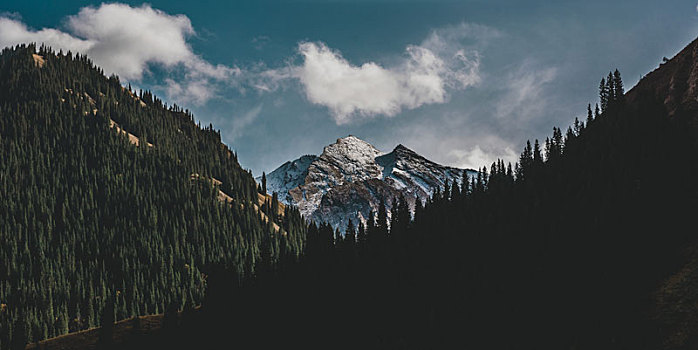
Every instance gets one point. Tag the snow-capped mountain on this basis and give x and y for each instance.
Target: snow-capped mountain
(350, 177)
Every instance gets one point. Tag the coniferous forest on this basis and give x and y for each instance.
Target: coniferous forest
(570, 248)
(587, 242)
(90, 220)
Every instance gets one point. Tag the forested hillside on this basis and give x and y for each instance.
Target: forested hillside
(114, 204)
(586, 243)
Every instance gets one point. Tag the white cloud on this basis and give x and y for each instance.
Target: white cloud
(13, 32)
(196, 91)
(459, 46)
(329, 80)
(424, 75)
(476, 157)
(126, 40)
(524, 96)
(370, 89)
(267, 80)
(241, 122)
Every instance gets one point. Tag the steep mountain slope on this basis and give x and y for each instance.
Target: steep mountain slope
(674, 82)
(583, 247)
(113, 200)
(351, 177)
(288, 176)
(674, 85)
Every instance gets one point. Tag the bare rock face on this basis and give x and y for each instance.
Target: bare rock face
(288, 177)
(351, 177)
(675, 84)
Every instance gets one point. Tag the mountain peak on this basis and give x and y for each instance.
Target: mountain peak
(351, 177)
(349, 137)
(400, 148)
(353, 140)
(351, 149)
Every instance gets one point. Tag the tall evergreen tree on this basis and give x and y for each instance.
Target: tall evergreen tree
(597, 112)
(619, 91)
(603, 94)
(610, 88)
(382, 220)
(264, 183)
(537, 155)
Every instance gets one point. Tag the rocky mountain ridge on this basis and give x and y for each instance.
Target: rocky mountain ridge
(350, 178)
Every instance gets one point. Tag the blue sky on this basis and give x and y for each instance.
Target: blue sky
(461, 83)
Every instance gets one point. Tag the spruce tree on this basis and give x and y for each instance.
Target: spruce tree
(361, 238)
(350, 230)
(597, 112)
(382, 220)
(264, 183)
(537, 156)
(603, 94)
(578, 126)
(619, 92)
(610, 88)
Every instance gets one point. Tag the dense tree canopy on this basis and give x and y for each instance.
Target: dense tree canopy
(87, 218)
(567, 252)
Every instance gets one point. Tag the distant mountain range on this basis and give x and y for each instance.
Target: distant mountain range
(351, 177)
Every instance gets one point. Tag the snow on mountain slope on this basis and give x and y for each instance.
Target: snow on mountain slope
(351, 177)
(288, 176)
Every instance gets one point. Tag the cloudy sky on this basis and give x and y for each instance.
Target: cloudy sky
(460, 82)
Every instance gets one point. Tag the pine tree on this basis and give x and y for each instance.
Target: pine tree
(579, 126)
(525, 162)
(382, 220)
(610, 89)
(455, 192)
(597, 112)
(349, 242)
(603, 94)
(338, 239)
(361, 238)
(464, 184)
(619, 91)
(350, 230)
(274, 206)
(371, 223)
(557, 142)
(537, 156)
(264, 183)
